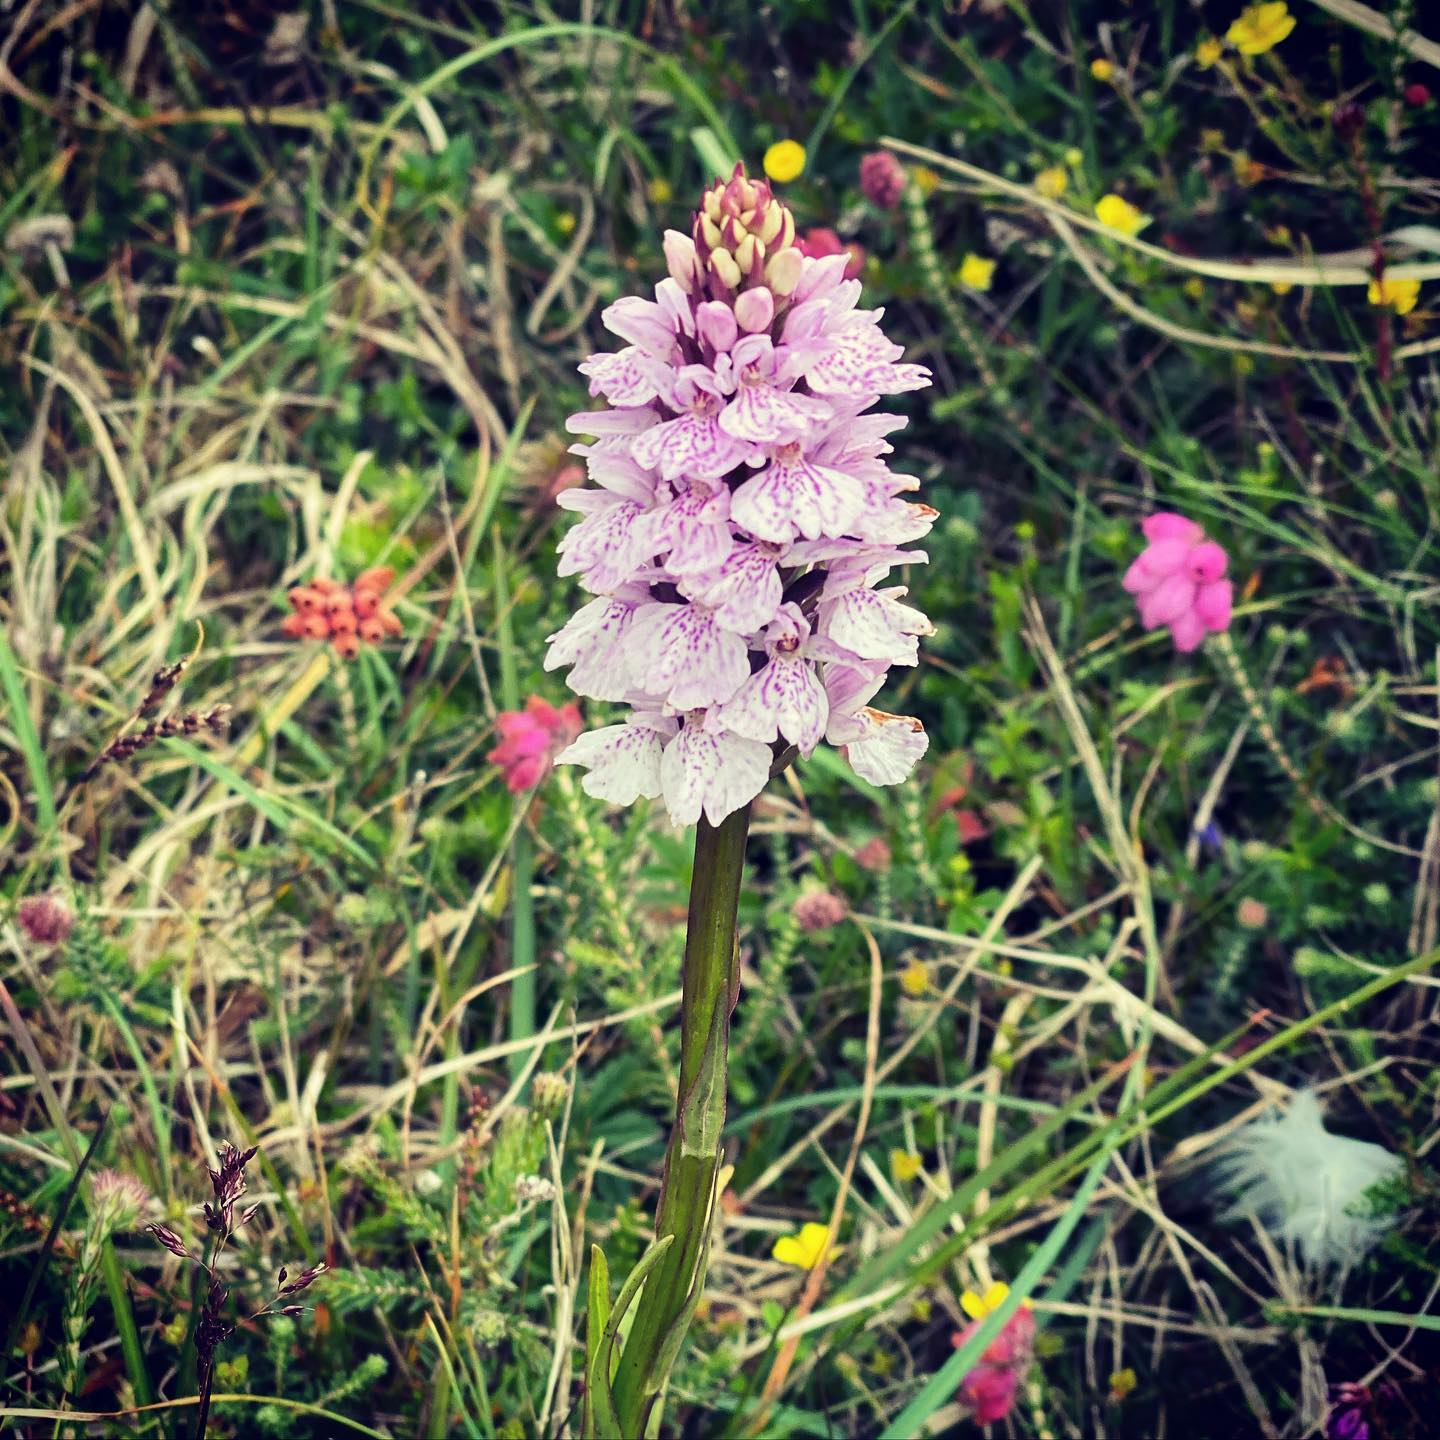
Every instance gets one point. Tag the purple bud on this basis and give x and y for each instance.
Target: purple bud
(46, 919)
(882, 179)
(755, 309)
(716, 323)
(1348, 119)
(680, 259)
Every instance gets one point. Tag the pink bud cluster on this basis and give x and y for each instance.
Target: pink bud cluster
(991, 1386)
(530, 739)
(1178, 580)
(741, 522)
(882, 179)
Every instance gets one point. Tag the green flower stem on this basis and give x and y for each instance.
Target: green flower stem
(687, 1192)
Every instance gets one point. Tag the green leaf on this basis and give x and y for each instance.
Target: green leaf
(598, 1399)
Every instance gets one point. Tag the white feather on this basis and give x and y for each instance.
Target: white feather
(1307, 1186)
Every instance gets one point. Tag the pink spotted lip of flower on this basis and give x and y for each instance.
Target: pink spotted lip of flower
(1178, 581)
(740, 522)
(530, 739)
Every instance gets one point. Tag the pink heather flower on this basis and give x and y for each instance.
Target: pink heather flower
(739, 518)
(882, 179)
(530, 739)
(1177, 579)
(817, 910)
(821, 241)
(991, 1387)
(46, 919)
(874, 855)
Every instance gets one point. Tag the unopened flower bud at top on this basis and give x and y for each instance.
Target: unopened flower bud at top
(740, 230)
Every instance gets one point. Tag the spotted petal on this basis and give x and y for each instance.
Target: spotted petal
(681, 654)
(714, 773)
(791, 494)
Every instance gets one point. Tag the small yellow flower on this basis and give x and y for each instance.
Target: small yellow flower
(1119, 214)
(784, 160)
(977, 1307)
(1102, 69)
(915, 978)
(926, 180)
(1208, 51)
(565, 222)
(659, 191)
(1194, 287)
(1282, 287)
(1397, 295)
(805, 1250)
(1074, 157)
(904, 1164)
(1261, 27)
(1212, 140)
(1052, 181)
(1122, 1382)
(976, 272)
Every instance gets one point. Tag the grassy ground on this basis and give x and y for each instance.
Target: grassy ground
(280, 302)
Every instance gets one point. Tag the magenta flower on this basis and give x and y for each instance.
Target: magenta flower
(739, 519)
(882, 179)
(530, 739)
(46, 919)
(1178, 582)
(991, 1386)
(821, 241)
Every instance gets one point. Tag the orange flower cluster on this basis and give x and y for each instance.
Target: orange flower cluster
(345, 615)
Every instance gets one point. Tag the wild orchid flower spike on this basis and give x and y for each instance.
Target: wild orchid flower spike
(740, 520)
(737, 534)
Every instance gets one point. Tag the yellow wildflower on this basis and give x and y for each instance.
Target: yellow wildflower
(915, 978)
(1208, 51)
(1074, 157)
(1261, 27)
(925, 179)
(1122, 1382)
(1194, 287)
(977, 1307)
(1397, 295)
(1119, 214)
(805, 1250)
(784, 160)
(976, 272)
(1051, 181)
(904, 1164)
(1282, 287)
(659, 191)
(565, 222)
(1102, 69)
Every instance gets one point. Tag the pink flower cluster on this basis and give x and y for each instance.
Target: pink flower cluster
(530, 739)
(820, 241)
(1177, 579)
(882, 179)
(741, 523)
(991, 1387)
